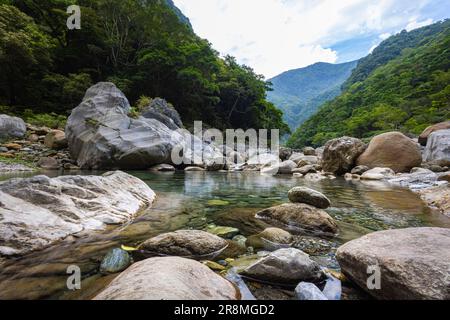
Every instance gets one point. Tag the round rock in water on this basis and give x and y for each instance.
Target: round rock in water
(299, 217)
(284, 266)
(186, 243)
(270, 239)
(115, 261)
(306, 291)
(309, 196)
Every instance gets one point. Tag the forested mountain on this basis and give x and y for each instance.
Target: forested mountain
(146, 47)
(390, 49)
(407, 93)
(300, 92)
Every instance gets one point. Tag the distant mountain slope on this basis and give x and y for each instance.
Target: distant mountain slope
(179, 13)
(390, 49)
(408, 93)
(298, 93)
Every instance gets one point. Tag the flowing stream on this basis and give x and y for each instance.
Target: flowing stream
(185, 201)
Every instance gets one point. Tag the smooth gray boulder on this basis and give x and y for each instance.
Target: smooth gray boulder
(437, 150)
(306, 291)
(309, 196)
(284, 266)
(159, 109)
(11, 127)
(169, 278)
(101, 135)
(414, 263)
(36, 212)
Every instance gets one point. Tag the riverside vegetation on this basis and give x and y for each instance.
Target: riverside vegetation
(301, 224)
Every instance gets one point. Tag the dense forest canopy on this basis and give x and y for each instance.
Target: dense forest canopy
(145, 47)
(408, 92)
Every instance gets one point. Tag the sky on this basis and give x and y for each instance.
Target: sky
(273, 36)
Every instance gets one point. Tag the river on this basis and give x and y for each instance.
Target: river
(185, 201)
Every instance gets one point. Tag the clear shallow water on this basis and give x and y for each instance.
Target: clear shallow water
(184, 201)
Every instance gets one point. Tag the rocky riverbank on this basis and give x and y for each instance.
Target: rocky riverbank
(37, 212)
(103, 133)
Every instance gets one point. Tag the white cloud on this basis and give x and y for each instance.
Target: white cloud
(414, 24)
(384, 36)
(273, 36)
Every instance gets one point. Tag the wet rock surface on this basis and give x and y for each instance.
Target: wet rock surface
(309, 196)
(299, 217)
(169, 278)
(186, 243)
(285, 266)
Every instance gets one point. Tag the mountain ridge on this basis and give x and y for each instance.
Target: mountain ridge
(408, 93)
(299, 92)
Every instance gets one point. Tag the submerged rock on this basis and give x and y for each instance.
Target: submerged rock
(116, 260)
(339, 155)
(300, 217)
(186, 243)
(194, 169)
(223, 232)
(309, 196)
(284, 266)
(169, 278)
(163, 168)
(11, 127)
(36, 212)
(306, 291)
(270, 239)
(414, 263)
(392, 150)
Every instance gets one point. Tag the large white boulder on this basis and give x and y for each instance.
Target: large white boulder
(36, 212)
